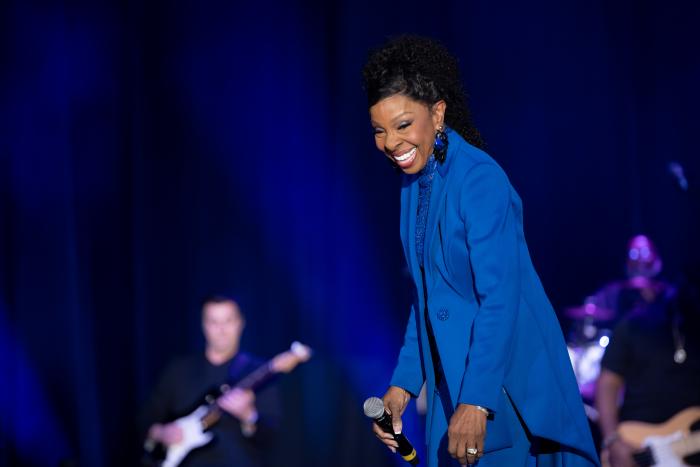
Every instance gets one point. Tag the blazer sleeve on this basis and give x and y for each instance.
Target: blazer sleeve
(409, 369)
(492, 241)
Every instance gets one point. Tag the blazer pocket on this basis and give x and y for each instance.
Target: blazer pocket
(499, 430)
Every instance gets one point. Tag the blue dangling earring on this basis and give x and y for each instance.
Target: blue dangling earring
(440, 147)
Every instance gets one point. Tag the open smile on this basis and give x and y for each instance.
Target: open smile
(406, 159)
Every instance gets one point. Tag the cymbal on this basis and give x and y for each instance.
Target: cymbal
(589, 311)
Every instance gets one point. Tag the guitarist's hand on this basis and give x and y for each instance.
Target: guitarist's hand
(167, 434)
(621, 454)
(241, 404)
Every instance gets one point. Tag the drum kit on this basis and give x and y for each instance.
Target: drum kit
(590, 335)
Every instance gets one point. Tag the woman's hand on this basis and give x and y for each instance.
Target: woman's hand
(395, 402)
(466, 432)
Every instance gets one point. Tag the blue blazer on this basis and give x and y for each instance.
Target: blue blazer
(496, 333)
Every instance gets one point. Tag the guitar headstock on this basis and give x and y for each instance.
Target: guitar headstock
(287, 361)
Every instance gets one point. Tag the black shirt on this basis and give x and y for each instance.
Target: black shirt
(641, 351)
(181, 389)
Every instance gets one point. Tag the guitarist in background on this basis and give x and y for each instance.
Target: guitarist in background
(248, 423)
(653, 358)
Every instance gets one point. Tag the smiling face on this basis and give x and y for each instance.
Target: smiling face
(404, 130)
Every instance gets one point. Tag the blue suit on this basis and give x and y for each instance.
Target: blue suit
(497, 337)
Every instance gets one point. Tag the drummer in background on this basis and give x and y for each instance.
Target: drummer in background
(653, 354)
(641, 288)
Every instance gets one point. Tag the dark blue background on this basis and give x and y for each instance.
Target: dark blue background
(154, 152)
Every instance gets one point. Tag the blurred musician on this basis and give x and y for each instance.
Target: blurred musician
(653, 355)
(248, 421)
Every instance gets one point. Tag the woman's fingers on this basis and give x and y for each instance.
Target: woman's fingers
(386, 438)
(466, 434)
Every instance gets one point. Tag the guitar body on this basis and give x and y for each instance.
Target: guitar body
(635, 433)
(193, 436)
(668, 444)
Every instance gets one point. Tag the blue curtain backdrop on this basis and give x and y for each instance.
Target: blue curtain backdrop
(154, 152)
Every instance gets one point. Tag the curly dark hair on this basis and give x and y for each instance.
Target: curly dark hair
(422, 69)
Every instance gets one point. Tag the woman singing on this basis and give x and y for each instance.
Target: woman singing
(481, 332)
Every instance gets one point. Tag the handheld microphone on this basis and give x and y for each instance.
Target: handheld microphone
(374, 409)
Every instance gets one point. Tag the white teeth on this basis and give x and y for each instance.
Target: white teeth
(406, 156)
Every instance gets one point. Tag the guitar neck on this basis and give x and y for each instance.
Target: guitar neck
(252, 381)
(282, 363)
(257, 378)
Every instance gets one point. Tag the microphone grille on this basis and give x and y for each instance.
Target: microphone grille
(373, 407)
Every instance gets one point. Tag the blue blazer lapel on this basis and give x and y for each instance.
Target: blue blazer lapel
(437, 198)
(438, 193)
(409, 204)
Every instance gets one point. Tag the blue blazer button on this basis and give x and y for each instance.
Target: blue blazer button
(443, 314)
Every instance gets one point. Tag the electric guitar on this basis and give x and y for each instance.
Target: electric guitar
(668, 444)
(195, 425)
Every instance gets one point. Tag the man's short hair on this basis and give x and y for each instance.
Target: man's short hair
(218, 299)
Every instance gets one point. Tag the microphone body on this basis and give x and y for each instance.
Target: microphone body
(374, 409)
